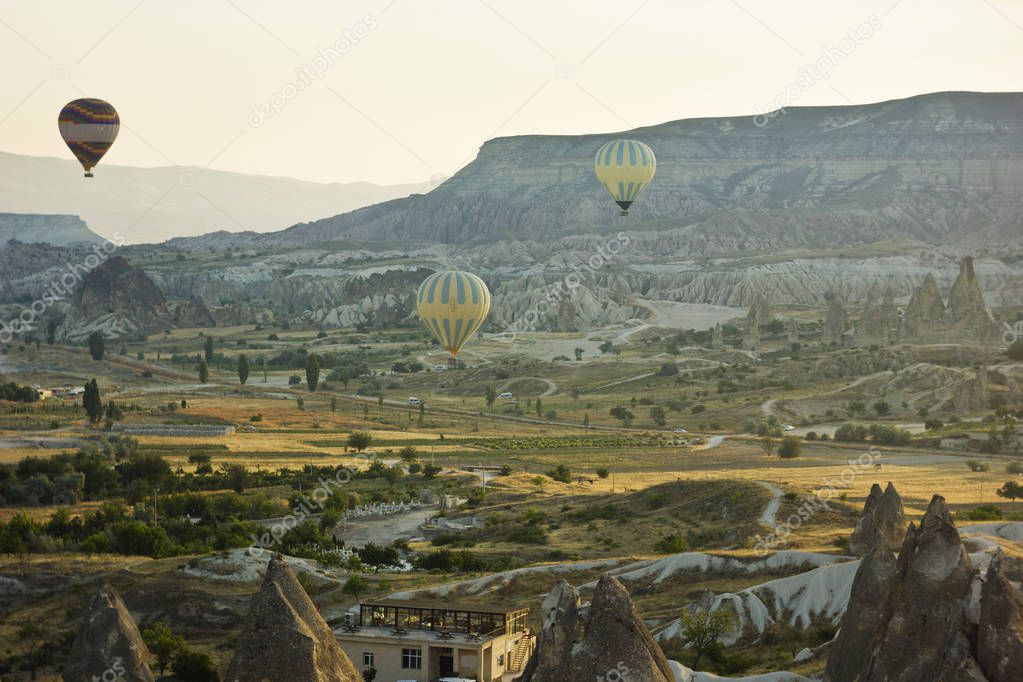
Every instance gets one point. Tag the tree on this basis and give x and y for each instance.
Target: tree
(578, 354)
(195, 666)
(92, 402)
(164, 644)
(408, 454)
(237, 477)
(312, 371)
(36, 656)
(790, 448)
(333, 403)
(882, 408)
(208, 349)
(657, 415)
(603, 472)
(606, 347)
(97, 346)
(767, 445)
(202, 462)
(491, 396)
(51, 332)
(586, 420)
(243, 369)
(360, 440)
(355, 585)
(204, 370)
(701, 630)
(1010, 491)
(539, 407)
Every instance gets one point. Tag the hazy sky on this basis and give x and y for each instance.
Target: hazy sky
(407, 90)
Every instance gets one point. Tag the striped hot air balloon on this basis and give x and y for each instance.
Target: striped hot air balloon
(453, 305)
(625, 168)
(88, 126)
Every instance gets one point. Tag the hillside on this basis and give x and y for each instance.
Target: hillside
(938, 168)
(155, 204)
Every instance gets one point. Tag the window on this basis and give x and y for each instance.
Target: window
(412, 659)
(500, 660)
(367, 659)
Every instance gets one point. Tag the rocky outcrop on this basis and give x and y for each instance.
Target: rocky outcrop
(610, 641)
(871, 586)
(109, 644)
(926, 311)
(59, 230)
(922, 634)
(717, 337)
(966, 317)
(879, 322)
(836, 323)
(751, 332)
(285, 638)
(882, 522)
(1000, 632)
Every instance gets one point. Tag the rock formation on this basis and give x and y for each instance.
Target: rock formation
(109, 644)
(609, 642)
(870, 589)
(751, 333)
(792, 332)
(879, 322)
(882, 522)
(966, 317)
(836, 322)
(1000, 633)
(922, 634)
(285, 638)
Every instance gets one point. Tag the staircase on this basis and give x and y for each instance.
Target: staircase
(521, 653)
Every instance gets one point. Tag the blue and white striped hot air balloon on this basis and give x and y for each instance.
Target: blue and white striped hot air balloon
(625, 168)
(453, 305)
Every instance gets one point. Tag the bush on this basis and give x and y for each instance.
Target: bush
(671, 544)
(790, 448)
(561, 473)
(195, 666)
(985, 512)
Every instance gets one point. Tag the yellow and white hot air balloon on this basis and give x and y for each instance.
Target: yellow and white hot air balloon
(625, 168)
(453, 305)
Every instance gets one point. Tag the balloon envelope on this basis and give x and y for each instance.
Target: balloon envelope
(453, 305)
(89, 127)
(625, 168)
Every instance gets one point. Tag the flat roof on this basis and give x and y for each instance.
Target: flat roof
(440, 606)
(413, 636)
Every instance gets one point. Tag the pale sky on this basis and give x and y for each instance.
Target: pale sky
(421, 84)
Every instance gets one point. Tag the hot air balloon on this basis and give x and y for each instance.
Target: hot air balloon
(453, 305)
(625, 168)
(88, 126)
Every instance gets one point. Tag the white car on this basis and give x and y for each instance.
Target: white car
(415, 402)
(680, 430)
(505, 396)
(788, 427)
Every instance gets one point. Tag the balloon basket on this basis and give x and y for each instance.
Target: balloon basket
(624, 213)
(89, 175)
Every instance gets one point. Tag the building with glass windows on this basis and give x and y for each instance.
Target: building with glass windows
(417, 642)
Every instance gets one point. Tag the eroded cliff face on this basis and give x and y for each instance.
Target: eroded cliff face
(109, 644)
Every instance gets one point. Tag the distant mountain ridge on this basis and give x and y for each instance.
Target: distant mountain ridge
(155, 204)
(937, 168)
